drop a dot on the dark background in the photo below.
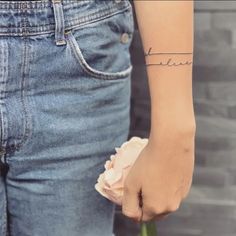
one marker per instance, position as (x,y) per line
(210,208)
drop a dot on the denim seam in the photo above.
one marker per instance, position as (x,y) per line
(96,16)
(4,231)
(25,72)
(4,122)
(75,23)
(91,71)
(58,13)
(16,5)
(4,56)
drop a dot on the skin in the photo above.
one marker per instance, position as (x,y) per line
(162,175)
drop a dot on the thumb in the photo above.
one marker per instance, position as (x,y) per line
(131,203)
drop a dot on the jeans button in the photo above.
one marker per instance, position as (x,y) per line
(124,38)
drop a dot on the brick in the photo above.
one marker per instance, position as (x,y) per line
(210,225)
(200,90)
(206,195)
(215,134)
(233,32)
(221,91)
(214,56)
(225,20)
(204,73)
(211,211)
(213,234)
(207,210)
(232,172)
(206,143)
(200,158)
(215,108)
(210,108)
(215,158)
(215,5)
(202,21)
(213,38)
(207,176)
(232,112)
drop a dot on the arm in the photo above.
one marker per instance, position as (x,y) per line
(166,29)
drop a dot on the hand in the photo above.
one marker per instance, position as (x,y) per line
(160,178)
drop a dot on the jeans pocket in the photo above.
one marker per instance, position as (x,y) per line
(102,48)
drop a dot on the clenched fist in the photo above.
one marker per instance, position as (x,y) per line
(160,178)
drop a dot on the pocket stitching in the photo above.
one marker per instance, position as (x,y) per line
(94,72)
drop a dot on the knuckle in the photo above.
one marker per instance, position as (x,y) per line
(129,214)
(153,209)
(145,219)
(129,188)
(186,193)
(127,185)
(126,189)
(159,209)
(173,207)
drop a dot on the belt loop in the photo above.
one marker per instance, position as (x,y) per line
(59,22)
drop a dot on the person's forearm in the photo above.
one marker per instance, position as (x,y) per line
(166,29)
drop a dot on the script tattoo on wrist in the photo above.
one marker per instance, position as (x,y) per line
(168,58)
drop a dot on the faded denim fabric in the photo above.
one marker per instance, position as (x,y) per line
(65,86)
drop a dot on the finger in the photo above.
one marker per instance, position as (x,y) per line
(131,204)
(147,213)
(147,216)
(161,216)
(151,212)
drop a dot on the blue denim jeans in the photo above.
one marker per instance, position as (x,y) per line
(65,85)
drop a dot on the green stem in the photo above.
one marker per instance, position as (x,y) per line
(148,229)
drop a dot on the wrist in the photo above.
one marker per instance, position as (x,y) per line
(172,131)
